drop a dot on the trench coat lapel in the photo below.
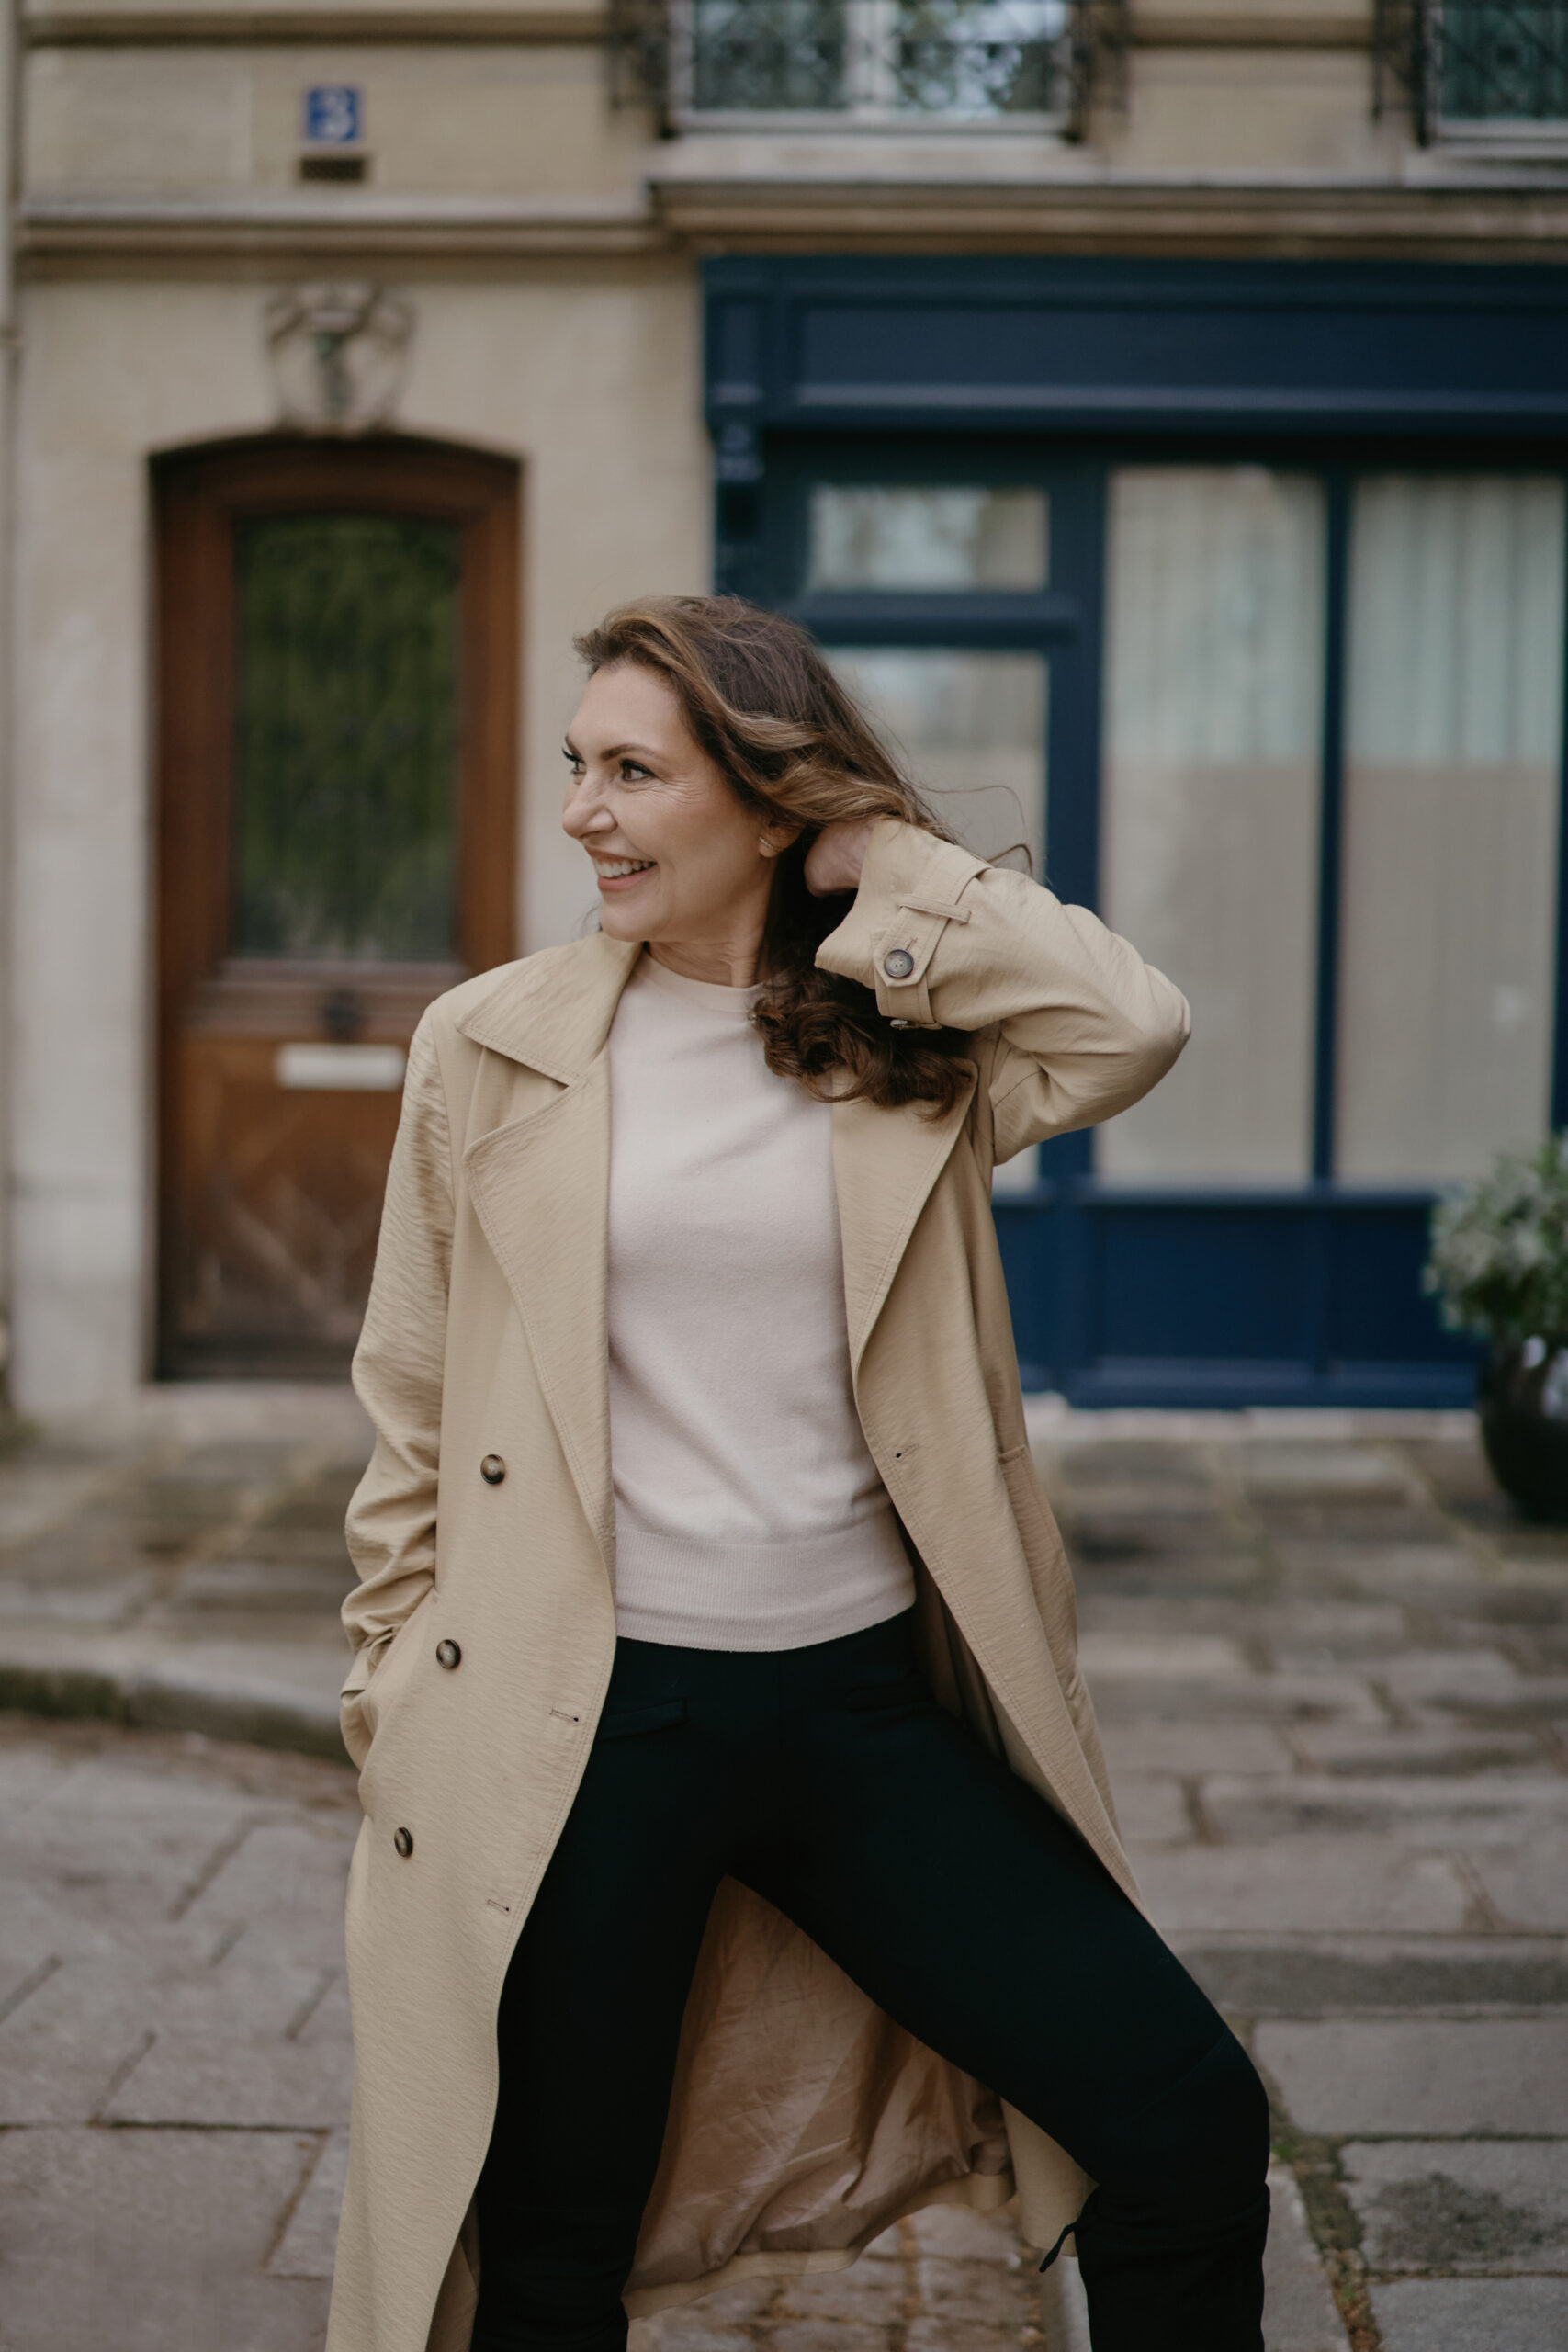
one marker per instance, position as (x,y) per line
(540,1186)
(884,1164)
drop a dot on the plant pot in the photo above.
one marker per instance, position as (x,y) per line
(1523,1400)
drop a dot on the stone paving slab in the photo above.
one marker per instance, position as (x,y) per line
(1493,2205)
(1473,2314)
(144,2242)
(1528,1887)
(1318,1886)
(1298,2313)
(1307,1976)
(1348,2077)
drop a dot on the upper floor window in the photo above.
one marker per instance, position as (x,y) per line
(972,61)
(1493,72)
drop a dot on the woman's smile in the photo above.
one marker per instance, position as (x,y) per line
(618,874)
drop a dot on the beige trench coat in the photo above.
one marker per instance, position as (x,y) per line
(803,2121)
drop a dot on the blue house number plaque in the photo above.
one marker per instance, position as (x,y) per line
(333,115)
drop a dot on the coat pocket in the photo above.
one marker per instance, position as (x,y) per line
(663,1715)
(365,1711)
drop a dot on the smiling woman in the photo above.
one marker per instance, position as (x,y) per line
(738,1834)
(748,812)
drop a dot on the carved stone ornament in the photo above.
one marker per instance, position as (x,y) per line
(339,355)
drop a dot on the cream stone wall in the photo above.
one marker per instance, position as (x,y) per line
(462,120)
(588,375)
(1212,111)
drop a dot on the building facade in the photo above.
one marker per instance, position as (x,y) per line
(1157,409)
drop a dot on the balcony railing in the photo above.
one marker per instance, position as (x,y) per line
(756,65)
(1480,71)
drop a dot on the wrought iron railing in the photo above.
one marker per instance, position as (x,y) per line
(1477,69)
(851,63)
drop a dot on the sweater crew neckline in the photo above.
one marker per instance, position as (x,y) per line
(709,996)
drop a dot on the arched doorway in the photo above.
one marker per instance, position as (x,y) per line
(337,670)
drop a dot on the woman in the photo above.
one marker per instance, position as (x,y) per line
(738,1870)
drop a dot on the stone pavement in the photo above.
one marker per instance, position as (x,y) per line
(1333,1673)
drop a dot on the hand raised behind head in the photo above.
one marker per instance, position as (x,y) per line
(836,856)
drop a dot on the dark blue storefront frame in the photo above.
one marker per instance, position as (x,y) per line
(816,365)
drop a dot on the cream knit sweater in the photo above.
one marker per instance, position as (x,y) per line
(748,1513)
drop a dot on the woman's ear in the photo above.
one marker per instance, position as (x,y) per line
(774,840)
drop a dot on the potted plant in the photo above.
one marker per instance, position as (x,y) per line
(1499,1265)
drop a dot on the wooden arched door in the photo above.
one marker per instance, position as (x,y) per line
(337,669)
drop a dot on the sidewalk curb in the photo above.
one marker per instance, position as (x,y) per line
(151,1699)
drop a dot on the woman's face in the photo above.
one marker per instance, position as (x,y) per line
(679,861)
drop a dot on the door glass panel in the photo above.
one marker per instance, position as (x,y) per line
(1214,721)
(969,729)
(895,539)
(1453,758)
(346,770)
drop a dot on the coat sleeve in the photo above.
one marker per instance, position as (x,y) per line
(398,1375)
(1080,1025)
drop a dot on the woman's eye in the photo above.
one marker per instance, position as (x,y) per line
(632,774)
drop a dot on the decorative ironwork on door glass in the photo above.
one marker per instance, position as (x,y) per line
(346,771)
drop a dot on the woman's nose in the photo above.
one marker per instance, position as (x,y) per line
(584,812)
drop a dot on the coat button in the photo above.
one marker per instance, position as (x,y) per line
(492,1469)
(898,964)
(403,1841)
(447,1654)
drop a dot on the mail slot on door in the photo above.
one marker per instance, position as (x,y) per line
(357,1069)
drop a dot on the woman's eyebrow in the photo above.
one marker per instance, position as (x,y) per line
(616,751)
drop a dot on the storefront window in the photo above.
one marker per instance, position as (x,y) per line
(893,540)
(1449,872)
(1213,727)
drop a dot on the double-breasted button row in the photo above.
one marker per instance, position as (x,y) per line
(492,1469)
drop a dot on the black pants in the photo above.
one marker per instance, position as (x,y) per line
(829,1781)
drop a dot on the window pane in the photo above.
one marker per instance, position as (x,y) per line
(926,538)
(768,56)
(1502,61)
(1214,722)
(1454,732)
(981,57)
(346,755)
(970,729)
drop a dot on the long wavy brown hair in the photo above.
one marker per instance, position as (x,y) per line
(766,708)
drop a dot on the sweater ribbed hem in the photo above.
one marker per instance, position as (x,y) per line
(789,1593)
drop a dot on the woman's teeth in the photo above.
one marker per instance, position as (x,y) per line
(613,868)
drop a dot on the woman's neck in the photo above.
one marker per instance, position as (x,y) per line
(724,963)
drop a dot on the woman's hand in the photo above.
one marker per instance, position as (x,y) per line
(836,856)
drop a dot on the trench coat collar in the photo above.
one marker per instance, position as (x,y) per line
(540,1187)
(553,1011)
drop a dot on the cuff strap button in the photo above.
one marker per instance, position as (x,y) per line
(898,964)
